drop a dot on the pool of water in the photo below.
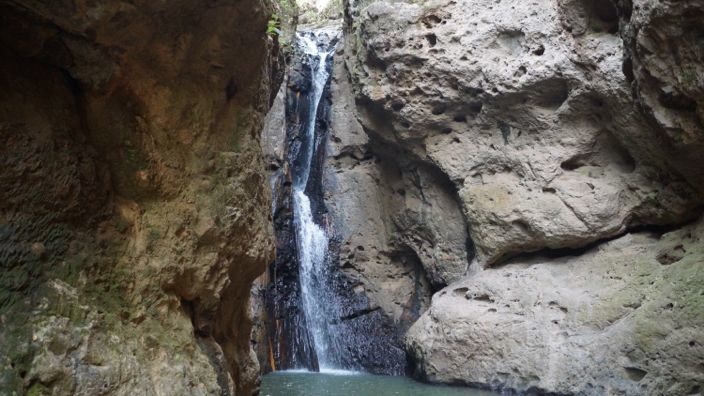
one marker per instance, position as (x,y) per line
(343,383)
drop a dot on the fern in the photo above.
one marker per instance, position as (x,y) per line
(272,27)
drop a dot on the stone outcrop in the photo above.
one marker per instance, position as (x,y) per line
(400,229)
(134,212)
(394,223)
(623,318)
(548,143)
(526,109)
(665,65)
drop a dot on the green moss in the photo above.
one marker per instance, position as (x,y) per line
(38,389)
(287,15)
(678,303)
(689,77)
(16,352)
(153,237)
(121,225)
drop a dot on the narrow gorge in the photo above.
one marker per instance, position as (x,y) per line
(352,197)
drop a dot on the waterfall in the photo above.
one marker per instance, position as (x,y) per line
(319,76)
(318,302)
(317,318)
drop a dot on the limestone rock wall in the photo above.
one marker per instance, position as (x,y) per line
(623,318)
(665,65)
(529,115)
(134,212)
(558,138)
(396,219)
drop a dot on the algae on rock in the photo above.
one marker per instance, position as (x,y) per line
(133,214)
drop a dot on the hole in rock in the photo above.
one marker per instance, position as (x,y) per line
(606,14)
(273,166)
(432,39)
(439,109)
(539,51)
(671,256)
(601,15)
(627,69)
(505,130)
(614,153)
(231,89)
(511,41)
(482,297)
(573,163)
(475,107)
(606,152)
(460,291)
(634,373)
(431,20)
(677,101)
(460,118)
(551,94)
(397,105)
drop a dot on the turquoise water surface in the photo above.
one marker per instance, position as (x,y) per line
(343,383)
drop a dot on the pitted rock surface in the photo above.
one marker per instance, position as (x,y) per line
(525,108)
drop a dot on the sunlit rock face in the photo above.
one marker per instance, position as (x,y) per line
(526,109)
(564,134)
(134,213)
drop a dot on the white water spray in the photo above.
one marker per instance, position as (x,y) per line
(311,239)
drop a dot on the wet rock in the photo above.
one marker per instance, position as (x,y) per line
(401,231)
(363,336)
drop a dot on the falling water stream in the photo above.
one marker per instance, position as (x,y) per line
(310,237)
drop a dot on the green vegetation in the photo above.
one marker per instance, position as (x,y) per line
(272,27)
(283,20)
(311,16)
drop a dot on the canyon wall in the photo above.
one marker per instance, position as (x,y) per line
(535,163)
(134,213)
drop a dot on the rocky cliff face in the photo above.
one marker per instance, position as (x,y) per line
(134,212)
(551,144)
(664,65)
(623,317)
